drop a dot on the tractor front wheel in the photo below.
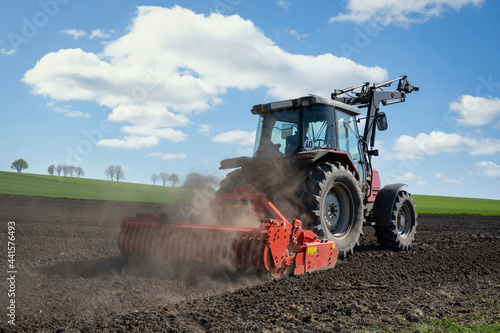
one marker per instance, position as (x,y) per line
(334,203)
(400,232)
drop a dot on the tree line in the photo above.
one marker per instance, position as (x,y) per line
(66,170)
(115,172)
(193,180)
(164,178)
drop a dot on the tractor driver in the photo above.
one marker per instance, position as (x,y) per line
(293,141)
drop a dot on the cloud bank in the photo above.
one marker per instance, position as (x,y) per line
(436,142)
(399,12)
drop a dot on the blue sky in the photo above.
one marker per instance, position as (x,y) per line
(163,86)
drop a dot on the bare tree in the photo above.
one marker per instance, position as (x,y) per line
(119,174)
(79,172)
(51,169)
(154,178)
(65,170)
(71,170)
(59,169)
(110,172)
(174,179)
(164,177)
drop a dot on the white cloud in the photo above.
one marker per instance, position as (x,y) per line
(150,115)
(399,12)
(391,177)
(476,111)
(162,133)
(239,137)
(130,142)
(486,147)
(167,156)
(205,129)
(487,169)
(191,61)
(74,33)
(410,177)
(431,144)
(7,52)
(295,34)
(407,147)
(70,113)
(100,33)
(448,180)
(283,3)
(401,155)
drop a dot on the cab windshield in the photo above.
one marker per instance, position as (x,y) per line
(282,133)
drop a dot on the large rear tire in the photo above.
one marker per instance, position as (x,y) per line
(400,232)
(280,185)
(333,201)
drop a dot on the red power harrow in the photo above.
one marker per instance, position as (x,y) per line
(277,246)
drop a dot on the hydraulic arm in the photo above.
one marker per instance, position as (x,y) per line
(371,97)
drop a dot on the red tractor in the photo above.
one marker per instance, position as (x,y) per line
(307,192)
(312,163)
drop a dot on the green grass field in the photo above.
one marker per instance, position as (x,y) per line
(12,183)
(26,184)
(427,204)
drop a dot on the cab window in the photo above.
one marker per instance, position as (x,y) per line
(275,134)
(348,135)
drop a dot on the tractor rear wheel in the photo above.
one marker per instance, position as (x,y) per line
(281,186)
(334,203)
(399,234)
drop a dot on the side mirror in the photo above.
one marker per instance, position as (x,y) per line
(286,131)
(381,121)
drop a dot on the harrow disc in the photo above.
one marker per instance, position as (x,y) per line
(238,246)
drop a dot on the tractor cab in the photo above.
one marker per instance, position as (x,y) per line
(306,124)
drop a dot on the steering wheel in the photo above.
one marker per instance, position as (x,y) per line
(318,142)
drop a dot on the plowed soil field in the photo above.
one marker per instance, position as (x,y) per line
(71,277)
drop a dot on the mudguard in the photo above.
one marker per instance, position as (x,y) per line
(384,201)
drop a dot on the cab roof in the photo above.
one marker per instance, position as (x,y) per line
(303,102)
